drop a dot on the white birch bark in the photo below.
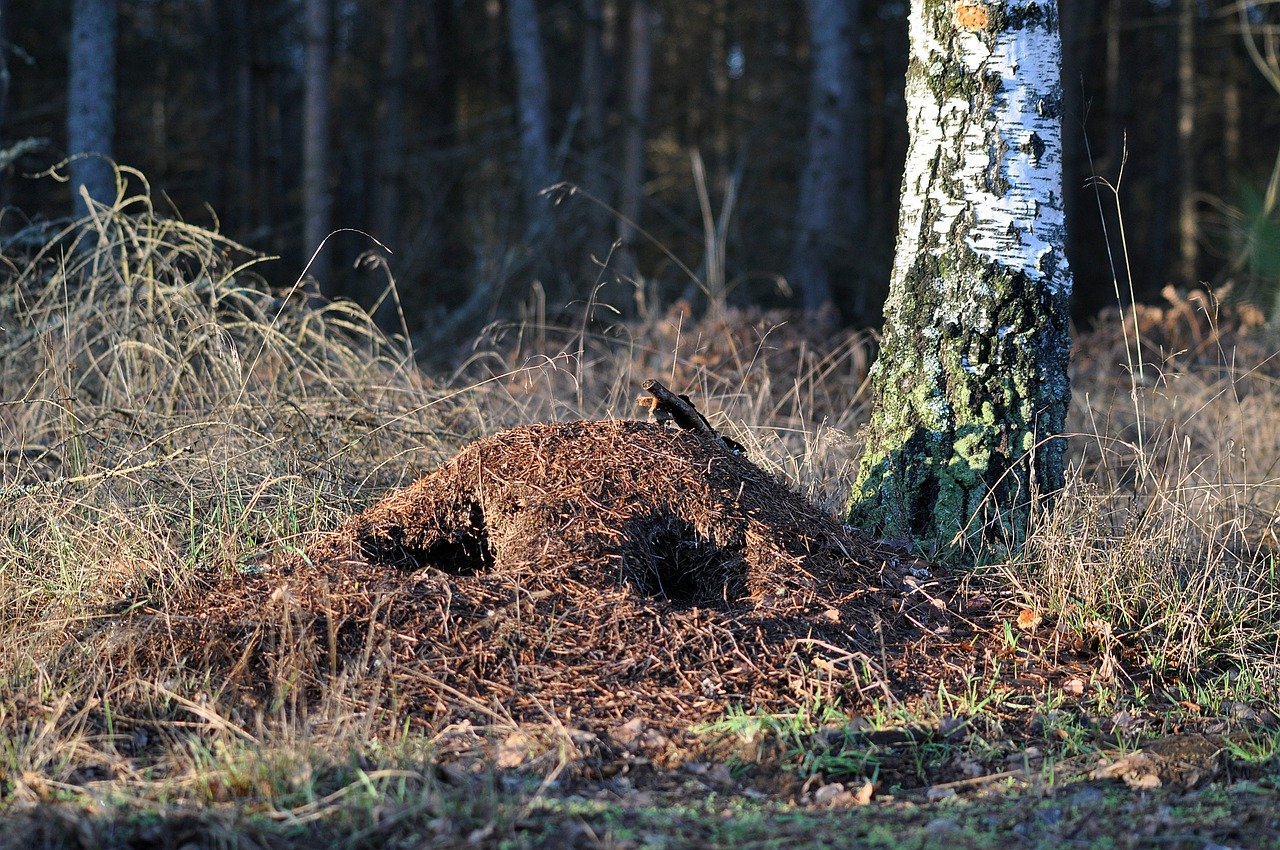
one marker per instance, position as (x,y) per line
(971,385)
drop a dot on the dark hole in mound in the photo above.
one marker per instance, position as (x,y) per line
(666,558)
(461,547)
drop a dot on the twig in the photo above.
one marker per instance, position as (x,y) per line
(666,406)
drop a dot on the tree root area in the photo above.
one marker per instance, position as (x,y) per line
(593,571)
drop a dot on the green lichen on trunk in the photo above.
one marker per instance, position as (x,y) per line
(962,429)
(970,390)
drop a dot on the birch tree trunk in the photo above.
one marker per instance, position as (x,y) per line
(317,198)
(831,103)
(534,111)
(91,96)
(971,388)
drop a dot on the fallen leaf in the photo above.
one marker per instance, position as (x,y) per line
(1029,619)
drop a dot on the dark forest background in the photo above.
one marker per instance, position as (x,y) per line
(690,116)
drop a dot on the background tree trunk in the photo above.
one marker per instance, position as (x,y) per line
(1188,247)
(91,95)
(4,97)
(829,168)
(534,110)
(4,65)
(234,79)
(971,388)
(1117,91)
(390,142)
(389,155)
(317,197)
(635,133)
(593,106)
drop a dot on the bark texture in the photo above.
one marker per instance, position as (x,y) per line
(971,386)
(91,99)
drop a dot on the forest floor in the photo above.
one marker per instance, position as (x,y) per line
(231,618)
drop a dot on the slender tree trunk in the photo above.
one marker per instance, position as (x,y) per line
(1165,188)
(822,189)
(718,65)
(971,388)
(593,104)
(389,157)
(534,110)
(4,64)
(1232,110)
(91,99)
(235,81)
(268,136)
(1117,85)
(635,134)
(390,141)
(4,95)
(317,196)
(1188,253)
(434,247)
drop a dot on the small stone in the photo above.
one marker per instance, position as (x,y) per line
(1239,711)
(1073,687)
(939,827)
(1087,797)
(720,774)
(828,793)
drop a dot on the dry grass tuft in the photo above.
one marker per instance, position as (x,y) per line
(1168,533)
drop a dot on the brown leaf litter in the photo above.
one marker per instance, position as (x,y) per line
(587,571)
